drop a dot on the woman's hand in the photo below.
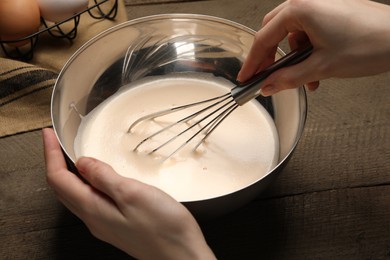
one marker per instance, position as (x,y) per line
(351,38)
(139,219)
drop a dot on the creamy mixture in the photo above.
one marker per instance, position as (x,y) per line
(240,151)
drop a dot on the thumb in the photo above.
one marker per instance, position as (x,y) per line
(100,175)
(305,72)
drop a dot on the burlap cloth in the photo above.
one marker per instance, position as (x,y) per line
(26,87)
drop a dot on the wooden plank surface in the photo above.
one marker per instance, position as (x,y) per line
(332,201)
(342,223)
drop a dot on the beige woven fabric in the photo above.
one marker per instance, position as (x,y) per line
(25,92)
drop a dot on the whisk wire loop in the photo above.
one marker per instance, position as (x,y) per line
(222,98)
(207,129)
(215,123)
(176,109)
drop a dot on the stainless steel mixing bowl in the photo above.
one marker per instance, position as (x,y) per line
(161,45)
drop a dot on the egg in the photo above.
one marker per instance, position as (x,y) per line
(18,19)
(60,10)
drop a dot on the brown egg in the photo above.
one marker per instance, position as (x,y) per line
(18,19)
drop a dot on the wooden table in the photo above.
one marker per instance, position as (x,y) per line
(332,201)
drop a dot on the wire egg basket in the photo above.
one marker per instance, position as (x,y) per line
(57,30)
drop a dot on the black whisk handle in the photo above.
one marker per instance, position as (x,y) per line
(250,89)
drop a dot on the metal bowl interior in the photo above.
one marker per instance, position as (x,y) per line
(162,45)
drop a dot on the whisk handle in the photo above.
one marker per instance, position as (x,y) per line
(250,89)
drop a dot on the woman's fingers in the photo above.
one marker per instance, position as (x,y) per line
(77,196)
(104,178)
(276,26)
(57,174)
(65,184)
(269,16)
(256,61)
(53,154)
(303,73)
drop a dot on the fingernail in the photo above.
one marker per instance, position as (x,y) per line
(268,90)
(238,76)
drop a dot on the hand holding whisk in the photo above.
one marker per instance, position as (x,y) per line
(215,110)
